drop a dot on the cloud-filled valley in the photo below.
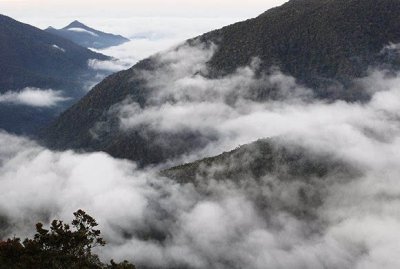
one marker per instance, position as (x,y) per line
(152,35)
(157,222)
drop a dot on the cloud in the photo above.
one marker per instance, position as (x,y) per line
(355,226)
(137,49)
(246,105)
(112,65)
(81,30)
(151,35)
(33,97)
(183,98)
(221,225)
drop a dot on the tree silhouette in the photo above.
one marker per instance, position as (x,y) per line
(60,246)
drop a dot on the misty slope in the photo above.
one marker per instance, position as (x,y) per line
(88,37)
(30,57)
(322,44)
(253,165)
(259,159)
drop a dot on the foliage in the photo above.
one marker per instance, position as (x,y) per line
(60,246)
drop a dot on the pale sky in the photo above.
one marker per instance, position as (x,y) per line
(128,8)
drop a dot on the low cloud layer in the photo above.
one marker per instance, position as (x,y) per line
(156,222)
(150,35)
(33,97)
(245,106)
(183,98)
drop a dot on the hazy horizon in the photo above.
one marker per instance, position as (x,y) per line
(34,11)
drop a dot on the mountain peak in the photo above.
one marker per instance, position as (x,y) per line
(76,24)
(86,36)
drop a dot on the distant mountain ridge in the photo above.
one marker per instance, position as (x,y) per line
(30,57)
(272,156)
(324,44)
(87,36)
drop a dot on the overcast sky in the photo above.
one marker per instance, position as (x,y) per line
(27,9)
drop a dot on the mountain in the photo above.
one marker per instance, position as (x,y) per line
(324,44)
(88,37)
(272,156)
(30,57)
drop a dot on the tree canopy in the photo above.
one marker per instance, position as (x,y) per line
(60,246)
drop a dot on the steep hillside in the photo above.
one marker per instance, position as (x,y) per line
(319,42)
(323,44)
(88,37)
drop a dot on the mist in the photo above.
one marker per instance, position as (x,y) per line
(34,97)
(157,222)
(148,35)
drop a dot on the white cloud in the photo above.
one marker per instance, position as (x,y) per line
(112,65)
(221,224)
(151,35)
(356,226)
(183,98)
(81,30)
(33,97)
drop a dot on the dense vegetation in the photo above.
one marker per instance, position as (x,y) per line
(61,246)
(322,43)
